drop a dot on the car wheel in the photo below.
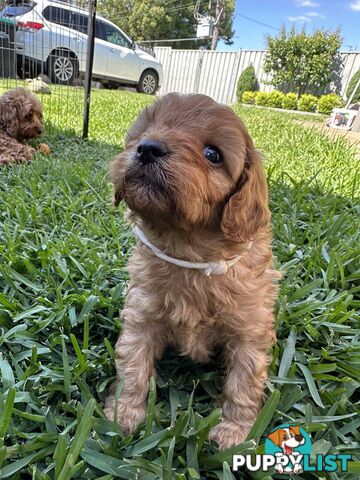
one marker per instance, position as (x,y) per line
(148,82)
(63,68)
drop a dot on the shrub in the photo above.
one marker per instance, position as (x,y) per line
(290,101)
(262,99)
(247,82)
(307,103)
(248,97)
(275,99)
(305,62)
(351,86)
(328,102)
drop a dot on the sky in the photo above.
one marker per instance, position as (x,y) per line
(328,14)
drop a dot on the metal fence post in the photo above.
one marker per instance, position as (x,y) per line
(198,70)
(89,65)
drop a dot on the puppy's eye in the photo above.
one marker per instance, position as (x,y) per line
(28,116)
(213,155)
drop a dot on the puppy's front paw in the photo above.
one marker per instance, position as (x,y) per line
(44,148)
(128,416)
(227,434)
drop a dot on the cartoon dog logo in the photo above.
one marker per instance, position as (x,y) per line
(287,439)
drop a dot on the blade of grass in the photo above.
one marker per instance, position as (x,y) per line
(264,418)
(5,415)
(288,354)
(151,407)
(311,385)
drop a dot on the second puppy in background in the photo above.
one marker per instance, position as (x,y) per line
(21,119)
(201,274)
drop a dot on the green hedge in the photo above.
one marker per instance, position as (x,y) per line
(307,102)
(327,103)
(275,99)
(262,99)
(290,101)
(248,97)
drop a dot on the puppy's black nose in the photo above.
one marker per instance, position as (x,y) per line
(299,438)
(39,130)
(150,151)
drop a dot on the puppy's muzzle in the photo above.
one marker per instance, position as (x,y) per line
(150,151)
(299,438)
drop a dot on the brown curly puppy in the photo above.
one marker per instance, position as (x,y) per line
(197,192)
(20,119)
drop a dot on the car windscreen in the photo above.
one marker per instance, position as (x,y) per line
(14,10)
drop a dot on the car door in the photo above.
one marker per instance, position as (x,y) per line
(122,62)
(79,23)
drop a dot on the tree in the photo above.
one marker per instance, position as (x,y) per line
(302,62)
(247,82)
(224,10)
(162,20)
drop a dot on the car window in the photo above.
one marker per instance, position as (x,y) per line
(57,15)
(110,34)
(99,31)
(15,10)
(79,22)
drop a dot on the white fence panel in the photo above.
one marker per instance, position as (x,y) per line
(216,73)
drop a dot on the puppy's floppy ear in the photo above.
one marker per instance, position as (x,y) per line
(275,437)
(117,178)
(247,209)
(9,121)
(117,198)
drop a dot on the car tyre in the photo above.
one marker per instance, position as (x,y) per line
(148,82)
(63,67)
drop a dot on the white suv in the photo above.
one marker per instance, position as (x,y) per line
(53,36)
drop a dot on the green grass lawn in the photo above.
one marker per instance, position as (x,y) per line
(63,255)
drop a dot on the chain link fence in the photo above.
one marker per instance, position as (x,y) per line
(43,47)
(59,50)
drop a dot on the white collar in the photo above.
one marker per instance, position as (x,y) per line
(209,268)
